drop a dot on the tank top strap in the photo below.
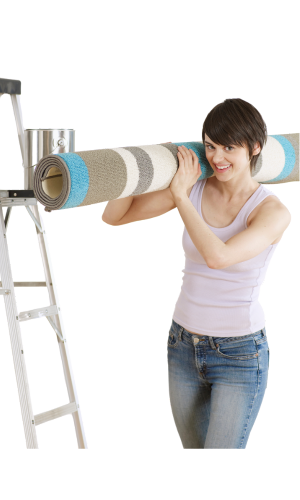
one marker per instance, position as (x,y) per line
(257,197)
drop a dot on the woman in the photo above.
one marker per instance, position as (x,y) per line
(218,353)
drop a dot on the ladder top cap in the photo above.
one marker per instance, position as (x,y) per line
(10,86)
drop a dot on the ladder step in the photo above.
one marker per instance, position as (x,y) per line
(56,413)
(28,283)
(41,312)
(38,313)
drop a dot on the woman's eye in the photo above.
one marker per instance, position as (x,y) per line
(209,146)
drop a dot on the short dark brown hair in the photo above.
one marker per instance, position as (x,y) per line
(236,122)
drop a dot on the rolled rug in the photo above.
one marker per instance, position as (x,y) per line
(71,180)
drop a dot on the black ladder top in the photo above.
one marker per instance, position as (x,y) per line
(10,86)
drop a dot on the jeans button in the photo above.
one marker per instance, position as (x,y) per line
(195,340)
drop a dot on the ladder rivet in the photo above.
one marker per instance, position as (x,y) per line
(17,317)
(15,194)
(33,421)
(22,351)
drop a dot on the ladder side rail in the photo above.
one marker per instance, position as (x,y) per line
(16,103)
(16,340)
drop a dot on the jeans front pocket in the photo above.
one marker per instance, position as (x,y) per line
(238,350)
(173,338)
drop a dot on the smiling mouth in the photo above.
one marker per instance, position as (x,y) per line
(222,169)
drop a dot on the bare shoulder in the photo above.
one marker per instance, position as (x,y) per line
(272,212)
(271,206)
(275,203)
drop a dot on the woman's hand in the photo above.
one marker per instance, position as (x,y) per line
(188,172)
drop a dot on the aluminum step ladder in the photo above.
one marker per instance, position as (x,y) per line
(16,198)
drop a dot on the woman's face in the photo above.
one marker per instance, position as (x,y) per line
(235,156)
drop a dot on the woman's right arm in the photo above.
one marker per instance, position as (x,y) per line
(139,207)
(115,209)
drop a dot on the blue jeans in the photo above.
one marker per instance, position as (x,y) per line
(216,386)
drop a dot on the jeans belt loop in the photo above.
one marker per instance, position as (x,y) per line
(212,344)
